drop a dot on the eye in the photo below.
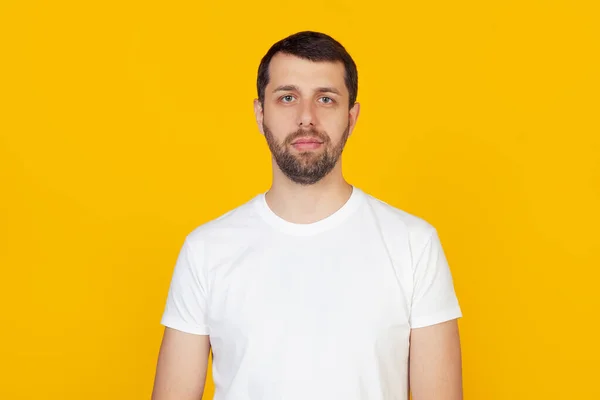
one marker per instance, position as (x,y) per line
(326,100)
(287,98)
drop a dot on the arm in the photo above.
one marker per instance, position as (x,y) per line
(182,366)
(183,356)
(435,366)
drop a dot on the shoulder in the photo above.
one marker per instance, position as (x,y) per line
(400,224)
(241,221)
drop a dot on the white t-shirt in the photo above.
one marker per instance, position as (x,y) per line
(316,311)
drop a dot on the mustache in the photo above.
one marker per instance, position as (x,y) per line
(312,133)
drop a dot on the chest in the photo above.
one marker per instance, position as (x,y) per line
(309,288)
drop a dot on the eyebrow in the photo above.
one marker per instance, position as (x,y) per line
(286,88)
(328,90)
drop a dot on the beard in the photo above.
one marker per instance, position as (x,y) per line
(308,167)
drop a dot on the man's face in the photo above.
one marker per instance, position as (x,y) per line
(305,116)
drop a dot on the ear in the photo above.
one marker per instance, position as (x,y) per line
(353,116)
(258,114)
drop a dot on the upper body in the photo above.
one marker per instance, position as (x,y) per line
(314,289)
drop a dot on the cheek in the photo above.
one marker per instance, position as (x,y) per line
(334,123)
(281,122)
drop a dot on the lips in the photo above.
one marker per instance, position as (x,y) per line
(307,141)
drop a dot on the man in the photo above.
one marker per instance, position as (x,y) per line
(314,289)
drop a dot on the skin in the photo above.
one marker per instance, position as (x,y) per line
(308,107)
(182,366)
(310,99)
(435,367)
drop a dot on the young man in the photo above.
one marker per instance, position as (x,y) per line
(314,289)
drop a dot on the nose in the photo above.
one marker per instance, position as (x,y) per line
(306,114)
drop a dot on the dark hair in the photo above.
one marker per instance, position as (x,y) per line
(313,46)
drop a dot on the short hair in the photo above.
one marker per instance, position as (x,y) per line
(313,46)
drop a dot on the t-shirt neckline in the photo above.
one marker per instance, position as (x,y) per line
(312,228)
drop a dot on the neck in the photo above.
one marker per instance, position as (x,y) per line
(305,204)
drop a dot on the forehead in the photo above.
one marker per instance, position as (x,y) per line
(286,69)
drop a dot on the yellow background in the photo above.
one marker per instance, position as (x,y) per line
(124,125)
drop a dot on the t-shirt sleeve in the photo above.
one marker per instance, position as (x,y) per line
(186,308)
(434,298)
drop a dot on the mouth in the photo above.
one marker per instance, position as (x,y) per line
(302,141)
(306,144)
